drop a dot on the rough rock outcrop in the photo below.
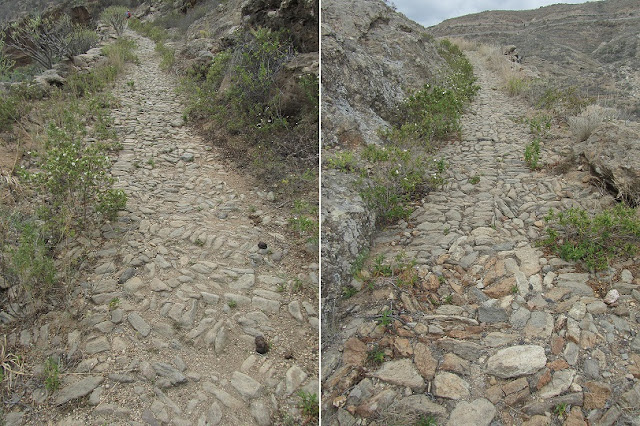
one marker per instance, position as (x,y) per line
(613,153)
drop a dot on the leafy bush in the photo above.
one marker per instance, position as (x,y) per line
(27,262)
(398,177)
(6,63)
(594,239)
(44,40)
(8,112)
(81,40)
(256,59)
(116,16)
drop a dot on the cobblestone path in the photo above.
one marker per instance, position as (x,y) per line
(166,325)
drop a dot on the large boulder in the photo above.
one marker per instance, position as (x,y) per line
(613,154)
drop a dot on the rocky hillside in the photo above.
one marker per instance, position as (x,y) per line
(372,58)
(594,46)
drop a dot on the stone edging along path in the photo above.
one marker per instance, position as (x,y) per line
(169,317)
(517,333)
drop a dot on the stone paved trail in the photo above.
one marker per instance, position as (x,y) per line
(515,333)
(169,317)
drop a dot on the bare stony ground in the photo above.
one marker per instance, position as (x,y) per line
(494,331)
(163,330)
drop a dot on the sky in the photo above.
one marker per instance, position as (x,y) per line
(432,12)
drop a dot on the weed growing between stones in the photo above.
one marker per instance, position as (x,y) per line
(375,355)
(426,421)
(532,153)
(309,405)
(594,240)
(51,374)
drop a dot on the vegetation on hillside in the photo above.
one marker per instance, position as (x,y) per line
(405,167)
(61,188)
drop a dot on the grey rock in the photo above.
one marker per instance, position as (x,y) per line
(401,372)
(294,378)
(138,323)
(479,412)
(560,382)
(492,314)
(516,361)
(214,414)
(97,345)
(245,385)
(261,413)
(167,371)
(78,389)
(451,386)
(420,404)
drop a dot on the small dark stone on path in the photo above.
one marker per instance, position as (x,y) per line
(262,245)
(261,345)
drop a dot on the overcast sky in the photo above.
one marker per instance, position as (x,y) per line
(432,12)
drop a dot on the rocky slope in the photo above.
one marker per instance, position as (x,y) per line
(593,46)
(372,56)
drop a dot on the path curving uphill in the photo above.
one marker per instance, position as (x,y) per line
(164,329)
(494,331)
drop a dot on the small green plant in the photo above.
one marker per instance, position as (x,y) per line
(539,125)
(348,291)
(131,83)
(232,303)
(447,300)
(514,289)
(380,269)
(441,279)
(385,318)
(560,410)
(305,220)
(375,355)
(427,421)
(532,153)
(343,161)
(595,240)
(297,285)
(358,263)
(51,374)
(199,242)
(114,303)
(309,404)
(151,162)
(446,231)
(474,179)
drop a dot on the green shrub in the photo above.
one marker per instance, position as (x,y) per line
(309,404)
(6,63)
(30,262)
(44,40)
(344,161)
(596,239)
(8,112)
(81,40)
(398,177)
(116,17)
(73,176)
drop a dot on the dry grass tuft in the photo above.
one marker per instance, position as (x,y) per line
(583,125)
